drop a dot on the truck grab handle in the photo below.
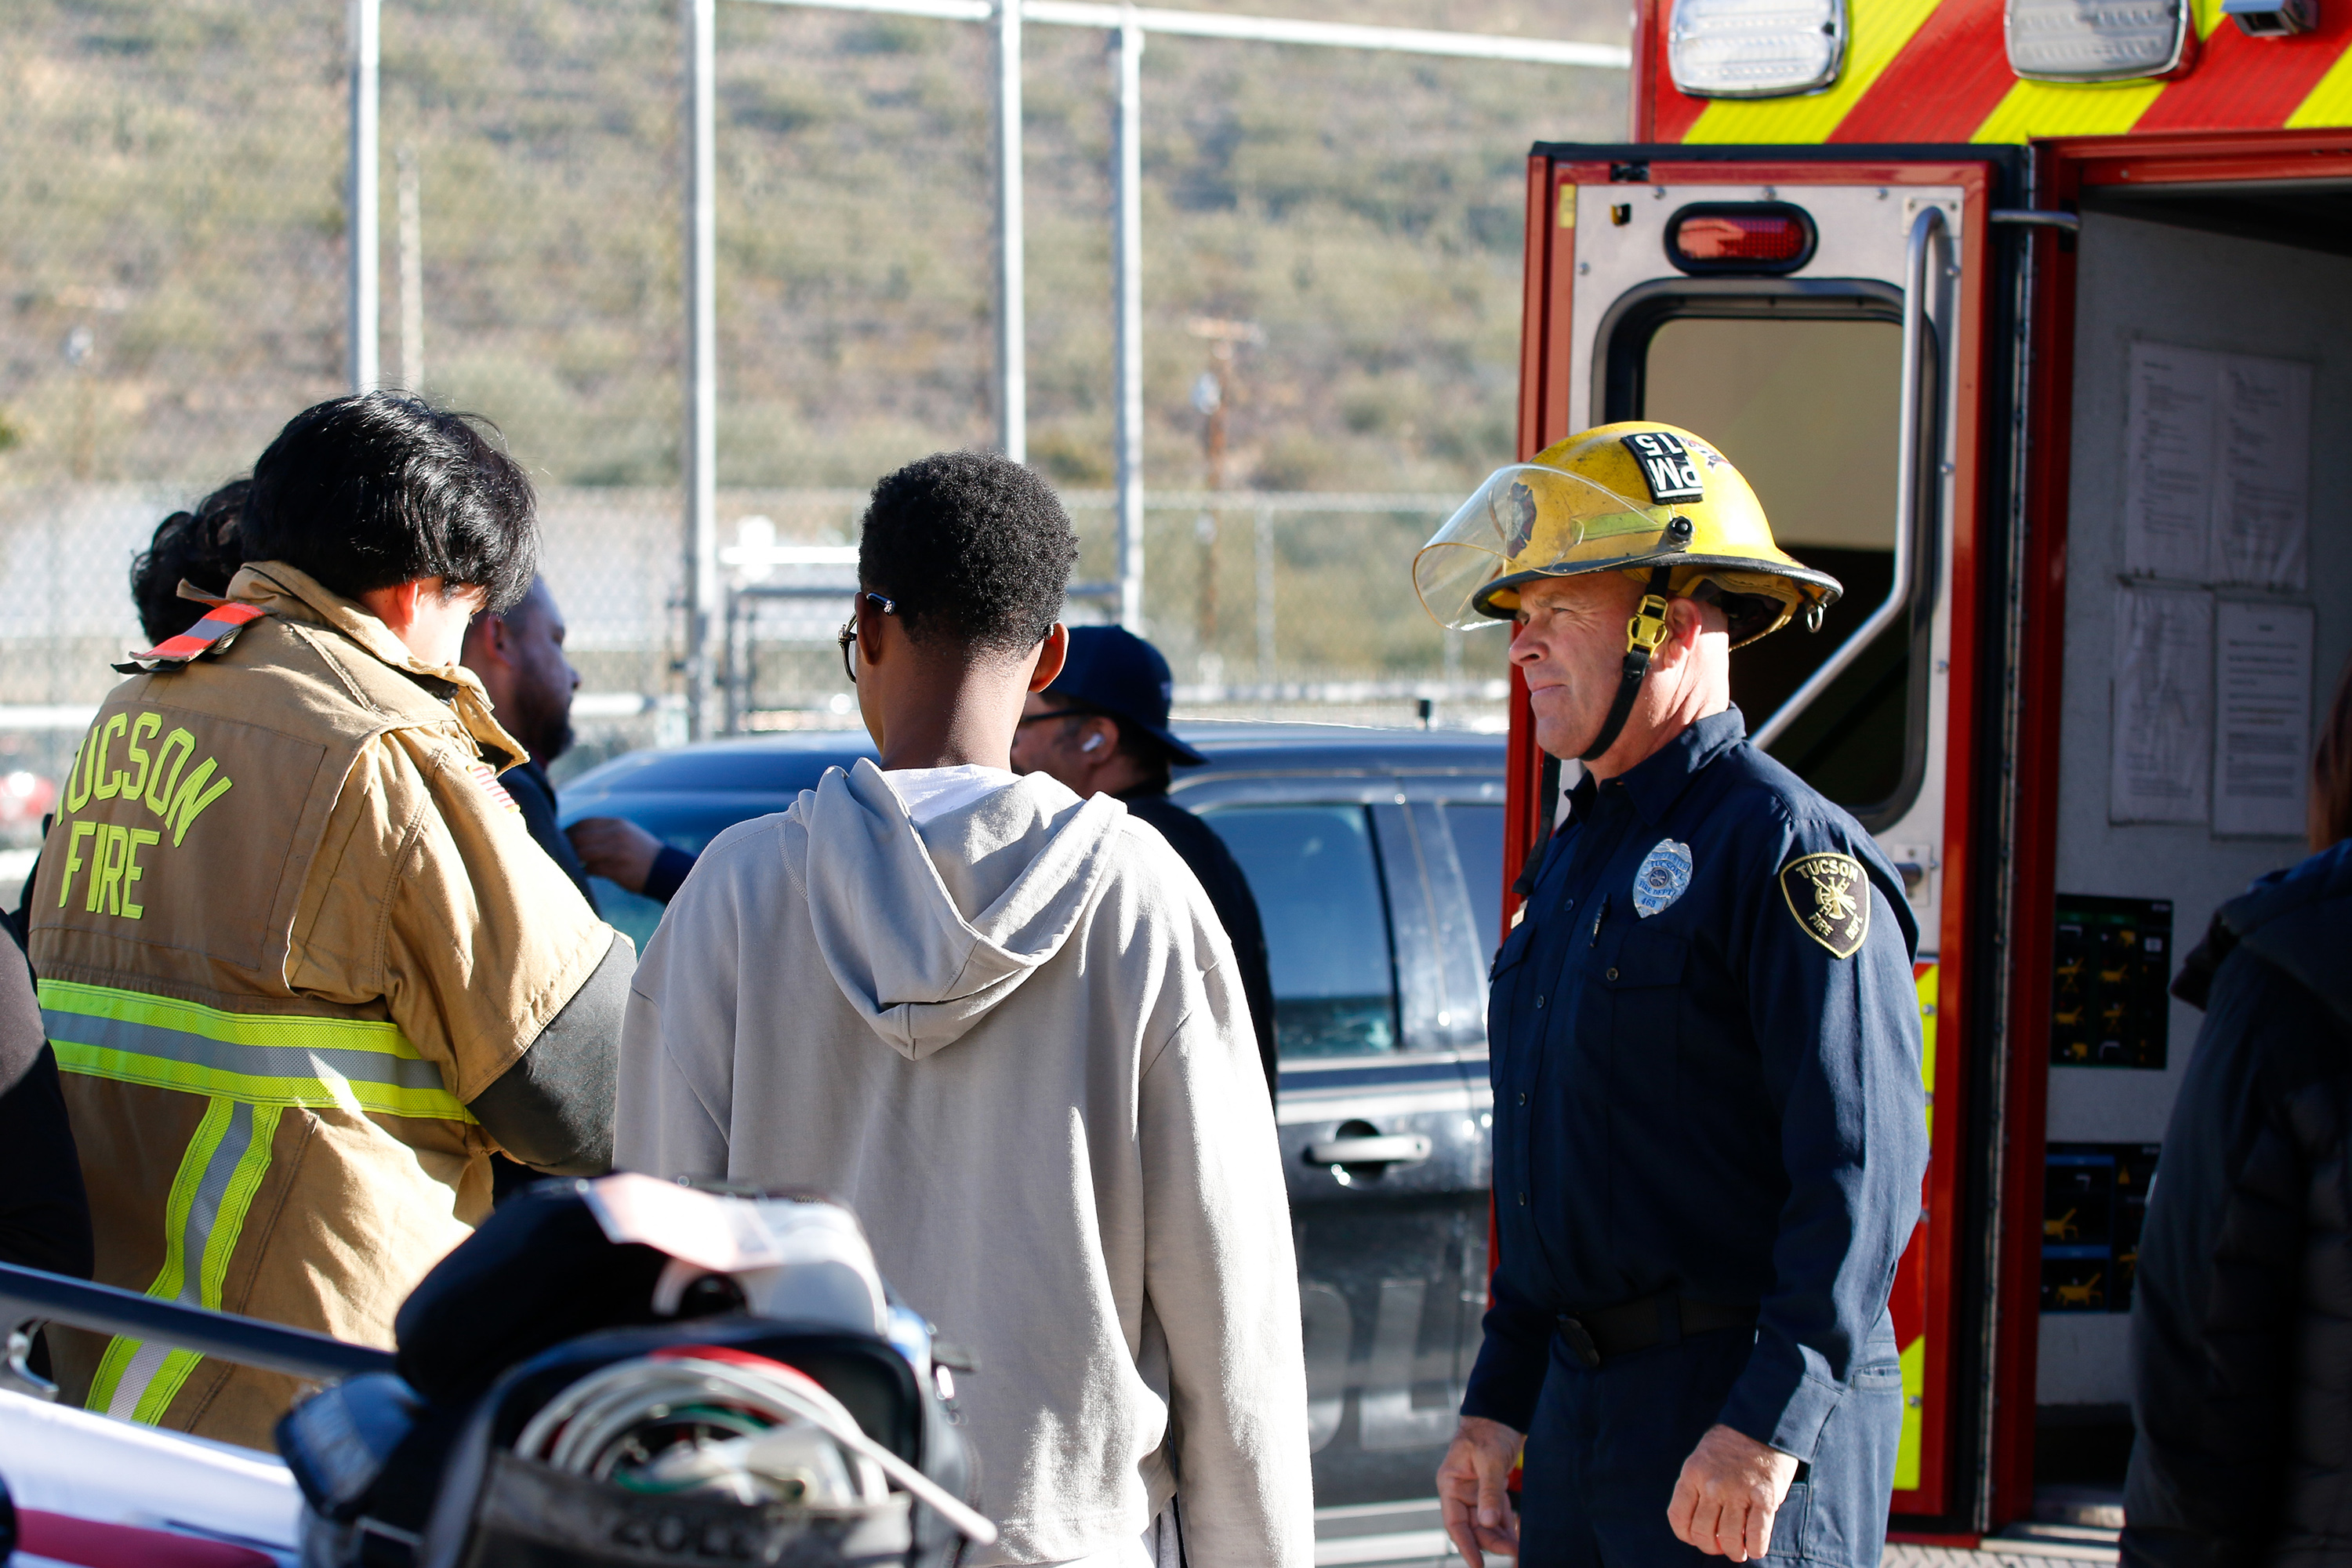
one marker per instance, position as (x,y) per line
(1919,420)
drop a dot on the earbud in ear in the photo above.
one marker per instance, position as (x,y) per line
(1092,741)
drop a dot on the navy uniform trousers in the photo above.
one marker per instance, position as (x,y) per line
(1608,1444)
(1704,1048)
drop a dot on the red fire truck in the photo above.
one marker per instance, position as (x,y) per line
(2026,319)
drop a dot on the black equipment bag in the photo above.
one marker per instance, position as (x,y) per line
(420,1469)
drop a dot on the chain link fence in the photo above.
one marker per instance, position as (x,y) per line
(1269,604)
(172,254)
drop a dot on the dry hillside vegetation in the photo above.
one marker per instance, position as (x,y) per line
(172,221)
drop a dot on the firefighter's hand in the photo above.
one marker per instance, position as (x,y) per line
(1730,1488)
(619,851)
(1470,1491)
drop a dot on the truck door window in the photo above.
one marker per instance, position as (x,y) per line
(1314,872)
(1807,408)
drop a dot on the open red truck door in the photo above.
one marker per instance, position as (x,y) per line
(2051,387)
(2190,377)
(1838,321)
(2056,415)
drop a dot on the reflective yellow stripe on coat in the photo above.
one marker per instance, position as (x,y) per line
(223,1168)
(259,1058)
(250,1067)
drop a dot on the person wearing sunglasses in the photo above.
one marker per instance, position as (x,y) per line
(1004,1024)
(1102,729)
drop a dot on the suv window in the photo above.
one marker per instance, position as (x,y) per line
(1478,845)
(1314,872)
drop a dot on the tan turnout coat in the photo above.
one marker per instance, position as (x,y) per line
(287,926)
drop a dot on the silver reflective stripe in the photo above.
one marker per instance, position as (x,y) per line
(196,1234)
(290,1062)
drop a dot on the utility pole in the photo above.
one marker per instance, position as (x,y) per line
(1209,402)
(367,54)
(1213,396)
(700,459)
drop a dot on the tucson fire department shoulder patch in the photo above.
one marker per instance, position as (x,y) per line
(1663,875)
(488,777)
(1829,894)
(1667,466)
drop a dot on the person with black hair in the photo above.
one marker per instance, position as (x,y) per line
(518,655)
(200,548)
(1102,729)
(44,1207)
(303,969)
(1004,1025)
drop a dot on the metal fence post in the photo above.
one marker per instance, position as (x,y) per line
(1012,307)
(1265,665)
(1127,269)
(734,645)
(411,202)
(367,51)
(701,457)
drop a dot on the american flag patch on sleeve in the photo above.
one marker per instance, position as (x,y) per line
(488,777)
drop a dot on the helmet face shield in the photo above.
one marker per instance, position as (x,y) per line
(1527,518)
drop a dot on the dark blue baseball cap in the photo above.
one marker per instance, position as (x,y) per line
(1113,672)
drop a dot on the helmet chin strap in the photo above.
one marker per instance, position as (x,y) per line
(1644,633)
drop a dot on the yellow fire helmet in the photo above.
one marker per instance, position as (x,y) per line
(1653,501)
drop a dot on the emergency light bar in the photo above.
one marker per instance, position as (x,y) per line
(2096,40)
(1755,48)
(1739,237)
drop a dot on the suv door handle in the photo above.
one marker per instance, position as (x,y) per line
(1396,1149)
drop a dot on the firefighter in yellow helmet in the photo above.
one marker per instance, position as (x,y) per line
(1709,1128)
(1651,502)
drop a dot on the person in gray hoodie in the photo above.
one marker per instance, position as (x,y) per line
(1004,1026)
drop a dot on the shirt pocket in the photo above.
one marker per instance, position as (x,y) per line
(1506,976)
(1513,950)
(1646,959)
(1637,990)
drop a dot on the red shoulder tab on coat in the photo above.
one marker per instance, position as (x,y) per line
(214,632)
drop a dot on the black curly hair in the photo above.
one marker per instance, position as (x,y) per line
(973,549)
(379,489)
(199,547)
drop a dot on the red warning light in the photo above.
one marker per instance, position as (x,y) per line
(1740,236)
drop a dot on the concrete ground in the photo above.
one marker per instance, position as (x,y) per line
(1409,1535)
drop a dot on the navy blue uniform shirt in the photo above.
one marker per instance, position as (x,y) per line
(1706,1060)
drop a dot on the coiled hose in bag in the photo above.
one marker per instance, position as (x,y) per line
(715,1420)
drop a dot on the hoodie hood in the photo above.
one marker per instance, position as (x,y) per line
(926,929)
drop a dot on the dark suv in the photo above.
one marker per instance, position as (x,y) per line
(1376,857)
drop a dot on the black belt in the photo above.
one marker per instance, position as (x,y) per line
(1664,1319)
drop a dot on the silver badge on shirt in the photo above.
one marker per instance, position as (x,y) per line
(1665,872)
